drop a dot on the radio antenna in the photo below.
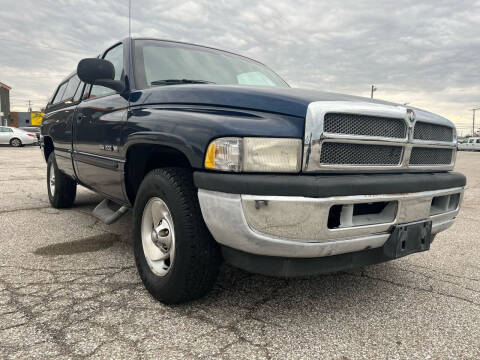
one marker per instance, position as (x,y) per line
(129,18)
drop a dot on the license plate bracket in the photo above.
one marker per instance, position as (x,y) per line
(408,238)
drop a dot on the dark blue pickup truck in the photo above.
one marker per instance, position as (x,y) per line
(220,159)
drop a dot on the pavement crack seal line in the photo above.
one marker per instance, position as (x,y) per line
(24,209)
(28,313)
(444,273)
(414,288)
(233,327)
(469,219)
(18,179)
(13,326)
(250,315)
(58,335)
(437,279)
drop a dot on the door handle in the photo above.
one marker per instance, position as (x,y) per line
(80,117)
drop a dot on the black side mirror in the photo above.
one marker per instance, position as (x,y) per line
(99,72)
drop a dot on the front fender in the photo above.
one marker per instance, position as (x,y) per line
(190,128)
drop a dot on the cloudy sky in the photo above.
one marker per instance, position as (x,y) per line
(426,53)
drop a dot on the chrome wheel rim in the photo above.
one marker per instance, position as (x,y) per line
(158,236)
(51,180)
(16,142)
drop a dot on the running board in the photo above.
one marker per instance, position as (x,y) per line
(105,213)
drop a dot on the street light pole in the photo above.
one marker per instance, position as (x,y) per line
(373,90)
(473,120)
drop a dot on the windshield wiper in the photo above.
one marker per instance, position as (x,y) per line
(180,81)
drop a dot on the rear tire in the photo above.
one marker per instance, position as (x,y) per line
(61,188)
(186,266)
(16,142)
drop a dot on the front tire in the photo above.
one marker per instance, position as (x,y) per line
(176,257)
(16,142)
(61,188)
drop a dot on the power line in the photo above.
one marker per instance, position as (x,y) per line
(26,99)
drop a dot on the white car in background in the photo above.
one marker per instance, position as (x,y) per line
(474,144)
(462,144)
(470,144)
(16,137)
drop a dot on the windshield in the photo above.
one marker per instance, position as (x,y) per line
(159,63)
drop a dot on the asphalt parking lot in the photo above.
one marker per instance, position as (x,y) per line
(69,288)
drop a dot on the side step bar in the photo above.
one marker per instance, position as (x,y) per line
(105,213)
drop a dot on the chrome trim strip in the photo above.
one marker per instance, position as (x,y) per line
(228,222)
(98,156)
(315,135)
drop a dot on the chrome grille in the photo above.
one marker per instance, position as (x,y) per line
(366,136)
(354,124)
(432,132)
(430,156)
(360,154)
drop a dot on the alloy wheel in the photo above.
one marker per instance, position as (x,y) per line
(158,236)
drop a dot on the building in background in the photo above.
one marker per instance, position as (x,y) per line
(26,118)
(36,118)
(20,118)
(4,104)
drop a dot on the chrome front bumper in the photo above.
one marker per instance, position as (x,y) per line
(298,227)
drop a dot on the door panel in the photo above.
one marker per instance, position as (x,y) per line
(98,133)
(97,143)
(60,124)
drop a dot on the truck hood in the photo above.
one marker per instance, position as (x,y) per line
(287,101)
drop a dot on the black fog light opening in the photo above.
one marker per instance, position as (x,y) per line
(445,203)
(360,214)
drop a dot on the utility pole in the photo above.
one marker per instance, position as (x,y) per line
(29,106)
(373,90)
(473,120)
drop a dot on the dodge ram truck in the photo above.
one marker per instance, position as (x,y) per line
(219,159)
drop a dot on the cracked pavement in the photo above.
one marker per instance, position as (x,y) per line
(69,289)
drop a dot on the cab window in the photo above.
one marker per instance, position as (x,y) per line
(59,95)
(71,88)
(115,56)
(79,92)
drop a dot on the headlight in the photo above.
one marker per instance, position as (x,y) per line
(254,154)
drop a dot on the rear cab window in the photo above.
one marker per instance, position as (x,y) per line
(71,88)
(68,92)
(59,95)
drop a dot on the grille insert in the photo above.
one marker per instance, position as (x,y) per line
(426,131)
(430,156)
(360,154)
(354,124)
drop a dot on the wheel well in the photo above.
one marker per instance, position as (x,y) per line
(141,159)
(47,147)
